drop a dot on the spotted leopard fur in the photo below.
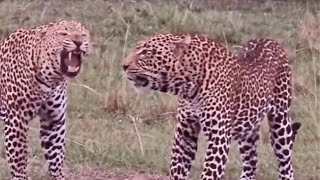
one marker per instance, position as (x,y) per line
(223,95)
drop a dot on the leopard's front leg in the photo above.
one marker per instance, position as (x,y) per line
(53,131)
(216,127)
(185,142)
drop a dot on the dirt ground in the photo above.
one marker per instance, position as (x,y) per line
(87,173)
(115,176)
(119,177)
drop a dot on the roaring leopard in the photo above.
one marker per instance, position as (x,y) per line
(35,64)
(225,96)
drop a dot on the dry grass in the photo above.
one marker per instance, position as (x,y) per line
(114,130)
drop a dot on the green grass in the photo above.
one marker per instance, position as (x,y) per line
(113,129)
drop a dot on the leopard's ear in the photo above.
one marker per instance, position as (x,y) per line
(41,32)
(179,47)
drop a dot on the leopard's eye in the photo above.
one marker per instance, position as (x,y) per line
(63,33)
(146,53)
(149,53)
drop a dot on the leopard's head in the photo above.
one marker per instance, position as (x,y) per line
(160,63)
(64,46)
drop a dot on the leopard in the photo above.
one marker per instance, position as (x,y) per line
(36,64)
(222,94)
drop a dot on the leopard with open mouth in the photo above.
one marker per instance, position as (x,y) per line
(40,60)
(223,95)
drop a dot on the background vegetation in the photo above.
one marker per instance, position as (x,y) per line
(113,131)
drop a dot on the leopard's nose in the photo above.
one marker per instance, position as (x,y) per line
(125,67)
(77,43)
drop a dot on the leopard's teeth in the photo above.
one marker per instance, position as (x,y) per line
(73,69)
(70,54)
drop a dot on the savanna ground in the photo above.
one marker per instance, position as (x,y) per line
(116,133)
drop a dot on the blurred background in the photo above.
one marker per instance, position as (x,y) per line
(115,132)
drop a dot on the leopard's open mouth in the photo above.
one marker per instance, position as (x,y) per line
(71,62)
(139,80)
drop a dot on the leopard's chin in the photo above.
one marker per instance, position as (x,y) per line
(70,64)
